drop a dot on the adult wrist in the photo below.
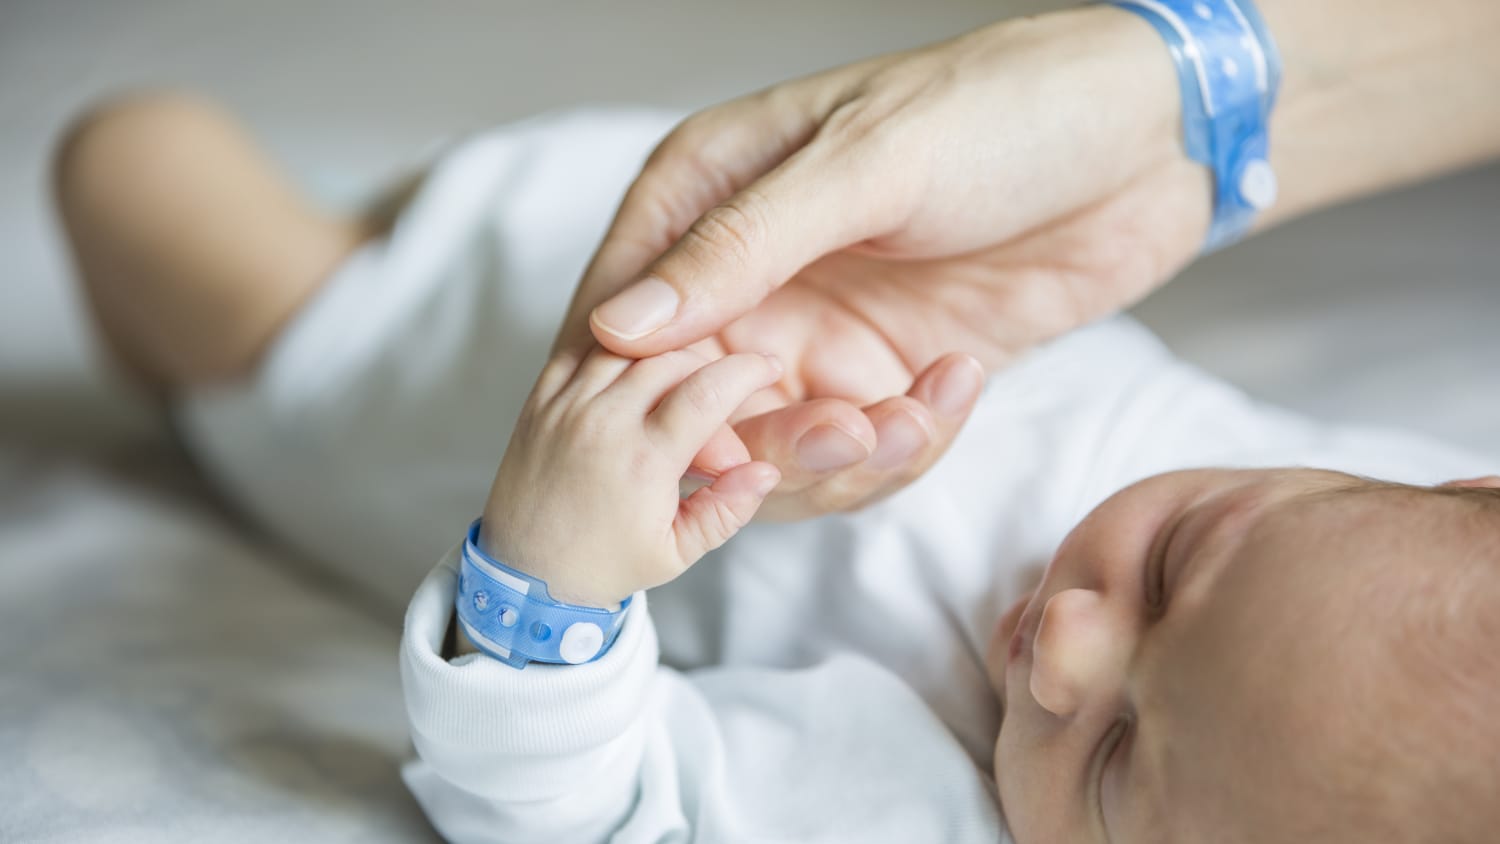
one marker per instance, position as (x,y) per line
(1137,74)
(1403,92)
(1115,88)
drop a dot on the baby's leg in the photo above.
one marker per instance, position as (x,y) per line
(192,247)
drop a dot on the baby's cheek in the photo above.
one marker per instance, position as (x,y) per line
(1113,803)
(1136,809)
(1032,810)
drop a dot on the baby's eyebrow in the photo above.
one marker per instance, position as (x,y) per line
(1208,530)
(1154,572)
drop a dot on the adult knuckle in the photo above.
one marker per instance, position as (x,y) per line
(889,99)
(888,121)
(555,373)
(649,199)
(669,148)
(682,140)
(654,211)
(732,229)
(852,120)
(695,153)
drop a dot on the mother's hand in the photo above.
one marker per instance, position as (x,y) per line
(977,196)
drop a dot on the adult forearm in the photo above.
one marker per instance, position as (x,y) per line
(1378,93)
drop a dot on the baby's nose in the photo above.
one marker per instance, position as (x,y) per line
(1077,652)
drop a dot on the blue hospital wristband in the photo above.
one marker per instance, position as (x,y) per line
(1229,71)
(509,615)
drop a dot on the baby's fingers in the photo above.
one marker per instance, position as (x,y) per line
(710,516)
(690,414)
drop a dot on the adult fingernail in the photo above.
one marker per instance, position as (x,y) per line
(957,388)
(898,437)
(638,310)
(826,448)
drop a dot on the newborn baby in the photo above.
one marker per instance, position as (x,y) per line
(1212,655)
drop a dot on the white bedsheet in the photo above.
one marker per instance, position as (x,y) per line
(163,678)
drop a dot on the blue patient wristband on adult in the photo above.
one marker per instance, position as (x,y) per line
(509,615)
(1229,71)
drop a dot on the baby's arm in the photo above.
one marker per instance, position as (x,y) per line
(587,500)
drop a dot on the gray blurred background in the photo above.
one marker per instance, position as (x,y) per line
(1380,311)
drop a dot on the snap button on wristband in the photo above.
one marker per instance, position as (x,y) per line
(509,615)
(1229,71)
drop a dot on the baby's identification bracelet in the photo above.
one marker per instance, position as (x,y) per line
(509,615)
(1229,71)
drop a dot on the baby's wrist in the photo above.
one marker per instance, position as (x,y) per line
(519,619)
(567,581)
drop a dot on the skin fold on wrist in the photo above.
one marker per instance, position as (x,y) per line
(560,579)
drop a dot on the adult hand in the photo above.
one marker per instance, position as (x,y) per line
(977,196)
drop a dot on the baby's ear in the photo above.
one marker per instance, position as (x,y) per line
(1486,482)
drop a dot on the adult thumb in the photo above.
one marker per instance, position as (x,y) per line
(734,255)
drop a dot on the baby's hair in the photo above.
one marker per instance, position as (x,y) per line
(1435,739)
(1485,496)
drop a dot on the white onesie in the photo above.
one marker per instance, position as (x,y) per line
(819,681)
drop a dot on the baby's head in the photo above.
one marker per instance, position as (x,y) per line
(1259,656)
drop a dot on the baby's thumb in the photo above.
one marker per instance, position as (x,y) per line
(710,516)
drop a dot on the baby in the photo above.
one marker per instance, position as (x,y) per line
(1212,655)
(1226,655)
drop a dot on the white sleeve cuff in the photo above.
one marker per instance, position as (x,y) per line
(522,734)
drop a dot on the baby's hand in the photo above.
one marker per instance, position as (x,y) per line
(587,497)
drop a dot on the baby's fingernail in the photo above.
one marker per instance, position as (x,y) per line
(957,388)
(826,448)
(774,361)
(639,310)
(898,437)
(766,483)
